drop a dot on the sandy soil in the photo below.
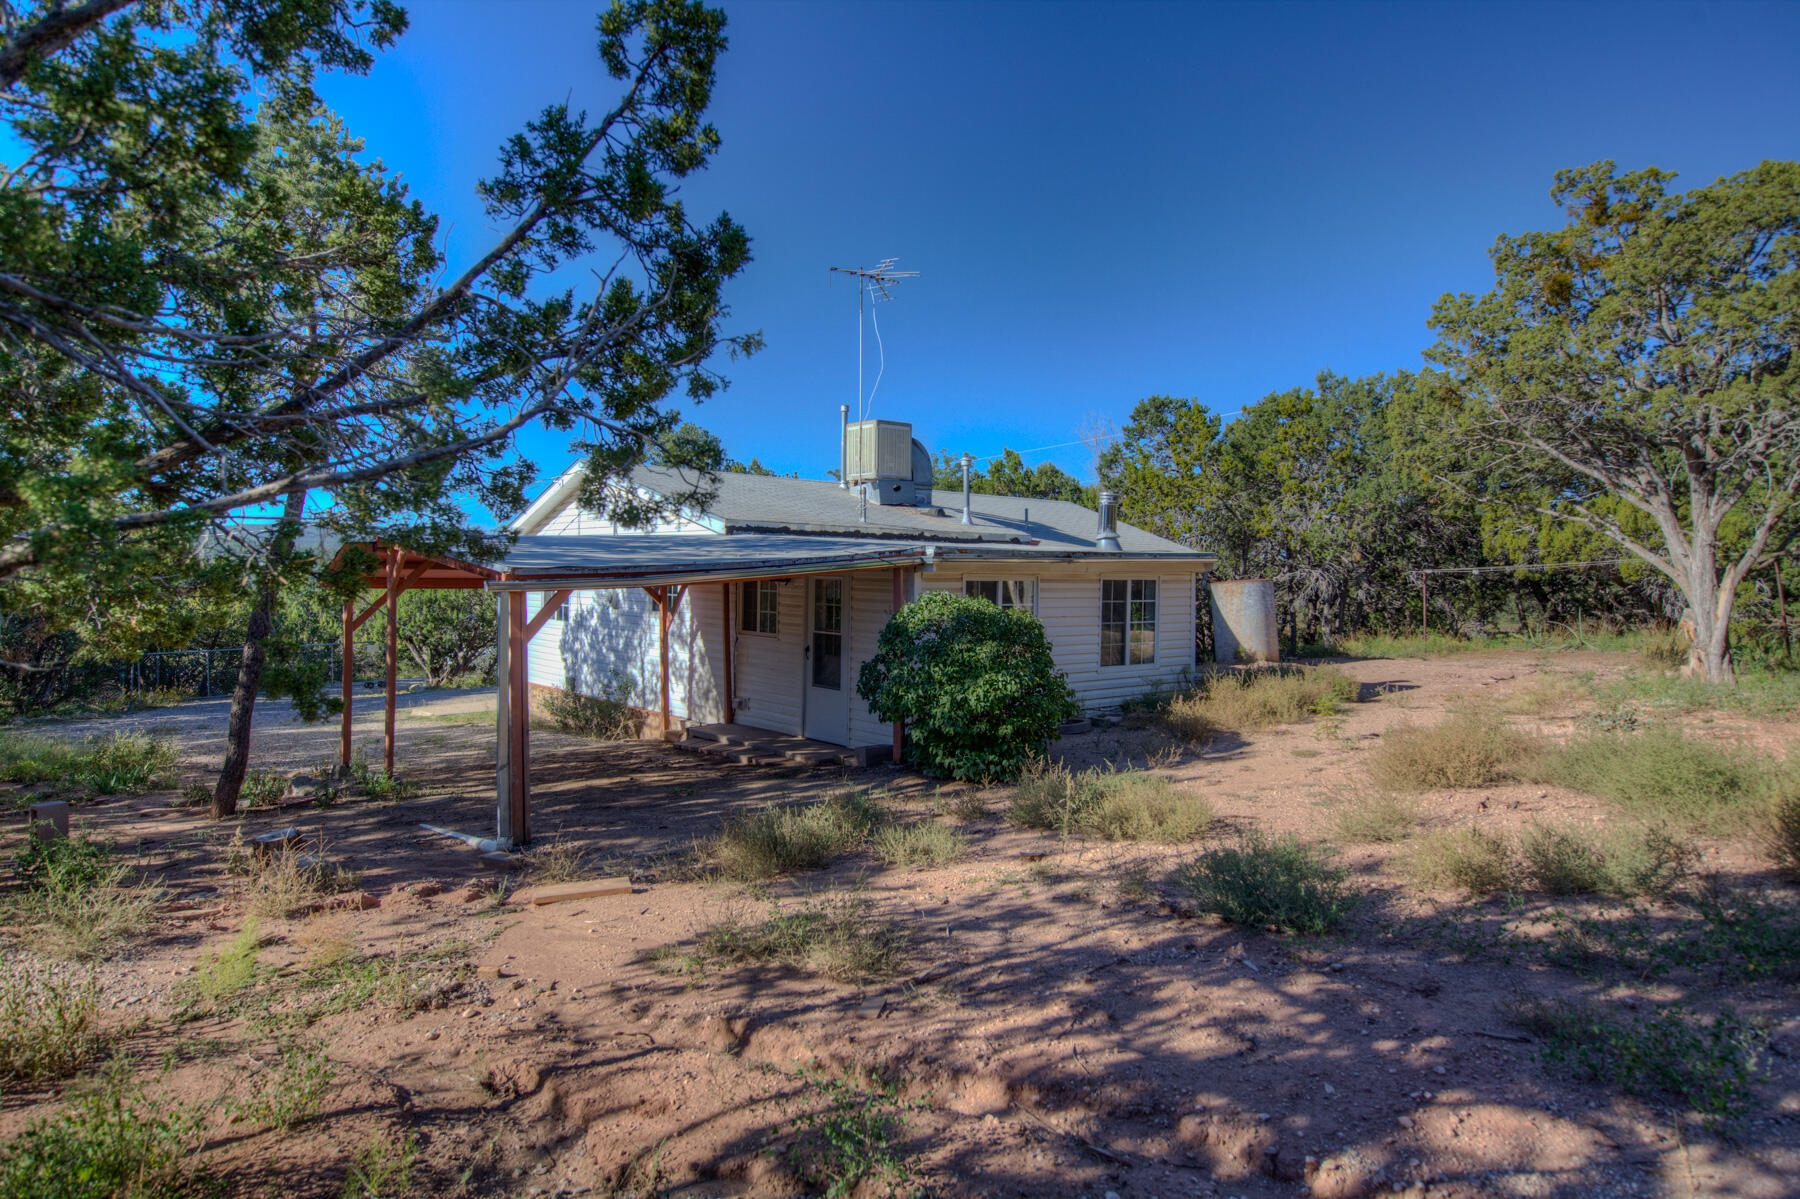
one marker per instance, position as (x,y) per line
(1061,1030)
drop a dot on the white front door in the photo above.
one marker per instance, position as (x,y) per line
(827,682)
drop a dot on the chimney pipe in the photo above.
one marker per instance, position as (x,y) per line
(968,460)
(844,446)
(1108,536)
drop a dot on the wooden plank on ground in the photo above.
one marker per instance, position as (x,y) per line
(558,892)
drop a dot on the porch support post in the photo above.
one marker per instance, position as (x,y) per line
(503,810)
(664,610)
(393,658)
(519,712)
(725,681)
(348,689)
(899,602)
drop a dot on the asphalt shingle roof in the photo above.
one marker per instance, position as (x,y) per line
(775,504)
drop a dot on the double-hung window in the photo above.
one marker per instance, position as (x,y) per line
(761,601)
(1127,621)
(1004,593)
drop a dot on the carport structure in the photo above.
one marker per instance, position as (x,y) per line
(663,566)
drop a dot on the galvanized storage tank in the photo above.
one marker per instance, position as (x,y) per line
(1245,628)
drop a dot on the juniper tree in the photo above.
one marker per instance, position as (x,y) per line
(1633,373)
(213,306)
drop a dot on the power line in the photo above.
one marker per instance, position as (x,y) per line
(1480,570)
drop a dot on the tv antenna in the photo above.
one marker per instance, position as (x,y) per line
(876,280)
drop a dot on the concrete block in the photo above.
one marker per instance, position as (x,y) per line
(48,821)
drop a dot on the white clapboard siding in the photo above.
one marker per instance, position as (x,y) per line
(571,521)
(767,684)
(1069,606)
(871,606)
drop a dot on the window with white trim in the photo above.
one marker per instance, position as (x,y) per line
(1004,593)
(761,602)
(561,614)
(1127,621)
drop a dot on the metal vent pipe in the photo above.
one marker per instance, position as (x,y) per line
(968,461)
(1107,537)
(844,446)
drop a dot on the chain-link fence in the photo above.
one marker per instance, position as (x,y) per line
(209,672)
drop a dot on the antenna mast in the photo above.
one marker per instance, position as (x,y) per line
(876,280)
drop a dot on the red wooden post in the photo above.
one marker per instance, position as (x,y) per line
(393,657)
(730,702)
(348,684)
(899,602)
(520,712)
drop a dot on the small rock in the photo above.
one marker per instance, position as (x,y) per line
(1112,1195)
(1330,1090)
(1405,1121)
(433,1035)
(488,972)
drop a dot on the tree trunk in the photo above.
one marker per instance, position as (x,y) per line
(250,669)
(1710,600)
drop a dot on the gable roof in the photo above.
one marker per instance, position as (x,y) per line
(776,504)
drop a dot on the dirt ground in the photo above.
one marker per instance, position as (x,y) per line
(1060,1031)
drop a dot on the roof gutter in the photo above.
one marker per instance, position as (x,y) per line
(767,570)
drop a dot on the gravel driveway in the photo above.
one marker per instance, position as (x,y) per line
(280,740)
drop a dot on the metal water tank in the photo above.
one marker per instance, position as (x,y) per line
(1245,628)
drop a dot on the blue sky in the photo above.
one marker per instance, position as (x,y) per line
(1104,201)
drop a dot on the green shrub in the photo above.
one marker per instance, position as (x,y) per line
(1377,817)
(1136,806)
(1283,884)
(1463,858)
(1661,775)
(854,1141)
(1670,1055)
(382,1169)
(289,1090)
(263,788)
(1258,698)
(839,938)
(49,1024)
(975,684)
(1117,805)
(601,718)
(1467,749)
(925,844)
(788,837)
(117,1143)
(1558,861)
(1781,834)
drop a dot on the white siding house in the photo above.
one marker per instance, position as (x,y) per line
(786,650)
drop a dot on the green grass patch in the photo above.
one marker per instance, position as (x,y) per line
(49,1024)
(1659,774)
(1731,934)
(117,763)
(1115,805)
(1283,884)
(1261,697)
(839,938)
(925,844)
(784,838)
(1465,859)
(76,903)
(1378,817)
(1670,1056)
(1760,691)
(116,1143)
(1475,748)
